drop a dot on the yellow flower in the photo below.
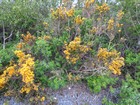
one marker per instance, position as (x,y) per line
(74,49)
(2,82)
(59,13)
(102,53)
(19,53)
(30,62)
(11,71)
(116,64)
(93,30)
(25,89)
(66,52)
(45,24)
(35,87)
(78,20)
(120,15)
(20,45)
(87,4)
(46,37)
(111,59)
(110,24)
(42,99)
(28,37)
(27,74)
(70,76)
(103,8)
(70,12)
(119,25)
(24,68)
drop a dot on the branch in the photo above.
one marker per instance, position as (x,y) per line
(92,71)
(3,30)
(9,35)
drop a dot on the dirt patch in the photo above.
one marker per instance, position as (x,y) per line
(74,94)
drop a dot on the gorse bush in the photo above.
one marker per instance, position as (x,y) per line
(71,44)
(66,42)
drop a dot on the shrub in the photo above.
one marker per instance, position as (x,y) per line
(6,55)
(96,83)
(128,94)
(56,82)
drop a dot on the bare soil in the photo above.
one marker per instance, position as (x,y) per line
(74,94)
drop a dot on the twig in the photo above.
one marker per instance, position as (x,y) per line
(9,35)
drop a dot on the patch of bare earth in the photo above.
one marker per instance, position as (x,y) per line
(78,94)
(74,94)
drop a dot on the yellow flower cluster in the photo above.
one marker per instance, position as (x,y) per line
(103,8)
(119,26)
(26,89)
(61,12)
(19,53)
(28,37)
(74,50)
(111,59)
(79,20)
(20,45)
(37,98)
(120,15)
(116,64)
(7,74)
(70,12)
(88,3)
(110,24)
(103,54)
(42,98)
(45,24)
(93,30)
(26,67)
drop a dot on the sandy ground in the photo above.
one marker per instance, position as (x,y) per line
(76,94)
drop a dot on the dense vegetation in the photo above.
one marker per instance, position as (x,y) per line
(52,43)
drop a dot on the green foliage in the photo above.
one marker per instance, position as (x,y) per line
(56,82)
(51,67)
(6,55)
(96,83)
(128,95)
(105,101)
(20,16)
(41,72)
(49,62)
(132,60)
(131,29)
(42,50)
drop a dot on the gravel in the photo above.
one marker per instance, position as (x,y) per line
(76,94)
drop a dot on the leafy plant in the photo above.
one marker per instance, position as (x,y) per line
(96,83)
(128,95)
(41,72)
(6,55)
(132,60)
(56,82)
